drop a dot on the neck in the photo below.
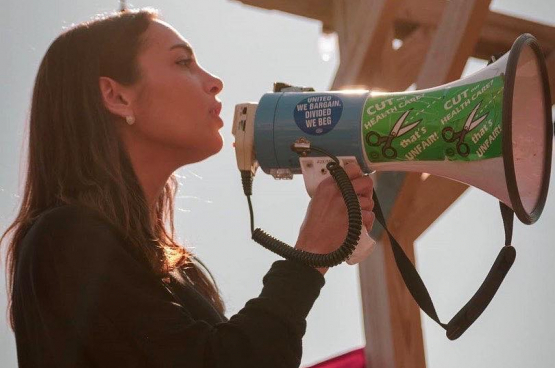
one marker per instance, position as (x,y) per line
(153,165)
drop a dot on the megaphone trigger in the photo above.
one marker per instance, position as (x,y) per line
(314,170)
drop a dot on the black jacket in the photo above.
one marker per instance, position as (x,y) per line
(80,299)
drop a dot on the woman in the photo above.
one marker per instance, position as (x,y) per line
(96,277)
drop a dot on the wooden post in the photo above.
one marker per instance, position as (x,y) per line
(413,212)
(456,35)
(408,59)
(370,23)
(455,38)
(496,36)
(452,32)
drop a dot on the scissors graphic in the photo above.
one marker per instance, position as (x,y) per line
(374,139)
(450,135)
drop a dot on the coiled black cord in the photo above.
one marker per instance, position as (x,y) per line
(313,259)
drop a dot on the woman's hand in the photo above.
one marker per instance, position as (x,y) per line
(324,228)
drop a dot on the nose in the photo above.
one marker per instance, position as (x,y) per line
(214,85)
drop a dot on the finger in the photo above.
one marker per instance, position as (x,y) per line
(363,186)
(353,170)
(329,181)
(366,203)
(368,218)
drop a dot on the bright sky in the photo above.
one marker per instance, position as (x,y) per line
(250,49)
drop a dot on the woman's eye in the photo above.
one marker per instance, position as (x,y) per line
(185,62)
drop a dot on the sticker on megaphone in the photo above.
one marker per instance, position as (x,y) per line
(461,123)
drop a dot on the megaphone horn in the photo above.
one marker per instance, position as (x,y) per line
(491,130)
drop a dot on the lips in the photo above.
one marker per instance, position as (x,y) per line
(215,112)
(216,109)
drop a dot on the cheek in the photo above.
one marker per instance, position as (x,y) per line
(170,112)
(169,121)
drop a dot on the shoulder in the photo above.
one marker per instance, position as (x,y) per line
(70,229)
(70,217)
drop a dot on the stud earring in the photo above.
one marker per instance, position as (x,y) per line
(130,120)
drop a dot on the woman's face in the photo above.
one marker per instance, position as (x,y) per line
(176,106)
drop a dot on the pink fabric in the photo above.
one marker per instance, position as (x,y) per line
(352,359)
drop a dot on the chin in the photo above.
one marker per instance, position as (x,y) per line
(217,144)
(209,151)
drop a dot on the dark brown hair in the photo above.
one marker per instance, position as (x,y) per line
(75,154)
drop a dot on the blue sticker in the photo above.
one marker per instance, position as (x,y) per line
(317,115)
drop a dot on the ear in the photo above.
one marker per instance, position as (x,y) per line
(116,98)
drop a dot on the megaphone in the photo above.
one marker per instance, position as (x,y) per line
(491,130)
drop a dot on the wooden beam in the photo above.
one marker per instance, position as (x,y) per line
(456,36)
(373,20)
(502,30)
(321,10)
(457,33)
(365,30)
(413,212)
(408,59)
(390,69)
(404,313)
(340,25)
(393,332)
(392,326)
(381,74)
(391,318)
(343,13)
(390,309)
(378,319)
(496,36)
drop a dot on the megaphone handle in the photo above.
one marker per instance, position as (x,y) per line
(478,303)
(313,170)
(364,247)
(314,259)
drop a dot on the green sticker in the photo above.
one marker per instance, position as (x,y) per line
(461,123)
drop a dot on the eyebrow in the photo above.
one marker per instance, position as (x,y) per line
(183,46)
